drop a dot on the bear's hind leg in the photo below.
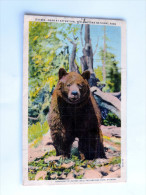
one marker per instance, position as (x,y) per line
(87,148)
(100,150)
(91,148)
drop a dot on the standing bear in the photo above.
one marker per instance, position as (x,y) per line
(74,113)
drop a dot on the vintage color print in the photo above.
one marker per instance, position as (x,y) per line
(74,100)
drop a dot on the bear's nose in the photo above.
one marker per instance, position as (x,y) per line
(74,93)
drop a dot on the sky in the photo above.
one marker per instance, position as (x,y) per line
(114,41)
(113,33)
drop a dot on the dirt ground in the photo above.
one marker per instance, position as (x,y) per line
(45,165)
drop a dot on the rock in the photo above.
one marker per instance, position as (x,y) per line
(92,174)
(41,174)
(68,165)
(75,143)
(52,158)
(78,168)
(80,172)
(117,154)
(101,161)
(111,131)
(109,155)
(54,176)
(115,167)
(33,154)
(70,175)
(74,148)
(98,168)
(33,168)
(105,170)
(63,176)
(115,174)
(44,146)
(111,146)
(110,151)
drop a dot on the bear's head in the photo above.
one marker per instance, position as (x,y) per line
(73,87)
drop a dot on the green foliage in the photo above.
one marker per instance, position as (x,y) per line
(115,160)
(52,153)
(48,51)
(43,43)
(66,171)
(31,175)
(98,73)
(39,163)
(79,176)
(118,143)
(113,74)
(112,120)
(39,108)
(37,130)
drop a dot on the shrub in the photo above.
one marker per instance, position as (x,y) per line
(37,130)
(112,120)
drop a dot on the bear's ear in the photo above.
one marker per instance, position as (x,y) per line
(62,72)
(86,75)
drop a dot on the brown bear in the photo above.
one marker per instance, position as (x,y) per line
(74,113)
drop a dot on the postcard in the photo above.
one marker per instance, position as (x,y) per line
(74,100)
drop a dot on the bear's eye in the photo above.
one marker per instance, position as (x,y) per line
(80,86)
(68,85)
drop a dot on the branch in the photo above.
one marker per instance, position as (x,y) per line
(75,38)
(76,68)
(70,41)
(33,118)
(96,47)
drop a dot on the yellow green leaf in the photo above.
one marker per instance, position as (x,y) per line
(35,38)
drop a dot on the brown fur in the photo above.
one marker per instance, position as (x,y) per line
(75,116)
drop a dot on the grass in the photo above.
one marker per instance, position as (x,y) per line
(113,140)
(115,160)
(36,131)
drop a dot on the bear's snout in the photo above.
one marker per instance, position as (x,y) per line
(74,93)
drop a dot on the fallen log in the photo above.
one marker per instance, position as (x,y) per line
(107,100)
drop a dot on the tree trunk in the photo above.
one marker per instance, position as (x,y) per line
(72,65)
(87,58)
(73,56)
